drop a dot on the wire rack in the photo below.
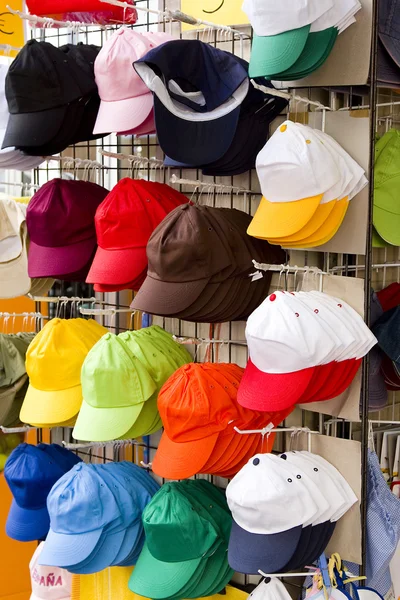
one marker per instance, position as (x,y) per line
(110,170)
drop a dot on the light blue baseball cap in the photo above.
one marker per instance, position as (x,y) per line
(80,506)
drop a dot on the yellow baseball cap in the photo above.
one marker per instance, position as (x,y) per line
(316,222)
(53,362)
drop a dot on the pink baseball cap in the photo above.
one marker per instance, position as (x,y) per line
(48,583)
(126,101)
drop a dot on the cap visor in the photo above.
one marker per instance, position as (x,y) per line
(392,47)
(279,391)
(317,49)
(51,407)
(166,298)
(387,224)
(314,224)
(132,537)
(33,129)
(282,219)
(53,262)
(171,577)
(27,525)
(276,53)
(62,550)
(117,266)
(145,420)
(102,556)
(181,460)
(249,552)
(104,424)
(194,143)
(123,115)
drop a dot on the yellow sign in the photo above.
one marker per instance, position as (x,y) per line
(11,27)
(220,12)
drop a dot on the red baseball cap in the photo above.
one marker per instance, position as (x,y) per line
(390,296)
(103,12)
(124,222)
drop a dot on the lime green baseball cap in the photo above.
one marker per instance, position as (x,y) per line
(317,49)
(276,53)
(377,241)
(386,214)
(115,387)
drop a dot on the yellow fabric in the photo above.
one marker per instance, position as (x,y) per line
(315,223)
(53,362)
(112,583)
(281,219)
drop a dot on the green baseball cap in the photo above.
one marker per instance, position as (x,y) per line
(115,387)
(12,358)
(11,399)
(377,241)
(386,215)
(317,49)
(276,53)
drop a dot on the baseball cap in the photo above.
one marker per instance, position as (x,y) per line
(61,227)
(389,297)
(124,223)
(126,102)
(313,171)
(48,583)
(96,10)
(14,277)
(30,474)
(388,29)
(280,33)
(115,386)
(53,362)
(386,208)
(201,104)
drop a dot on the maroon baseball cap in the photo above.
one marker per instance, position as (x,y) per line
(60,221)
(124,223)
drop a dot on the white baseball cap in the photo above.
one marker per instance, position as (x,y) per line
(299,158)
(342,11)
(48,583)
(14,279)
(268,17)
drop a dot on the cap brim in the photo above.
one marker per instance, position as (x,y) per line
(277,53)
(117,266)
(123,115)
(194,142)
(387,224)
(62,550)
(34,129)
(104,553)
(181,460)
(53,262)
(282,219)
(317,49)
(104,424)
(170,579)
(167,298)
(314,224)
(392,47)
(145,420)
(27,525)
(132,536)
(51,407)
(249,552)
(280,391)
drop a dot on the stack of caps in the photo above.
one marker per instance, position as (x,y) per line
(11,158)
(386,330)
(96,517)
(388,45)
(201,104)
(386,214)
(257,111)
(48,583)
(124,223)
(53,362)
(121,378)
(86,11)
(13,377)
(304,347)
(200,259)
(307,181)
(42,123)
(291,42)
(60,220)
(285,509)
(126,102)
(31,472)
(187,527)
(14,278)
(199,410)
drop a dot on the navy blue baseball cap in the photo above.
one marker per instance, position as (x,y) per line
(198,91)
(387,332)
(389,28)
(31,473)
